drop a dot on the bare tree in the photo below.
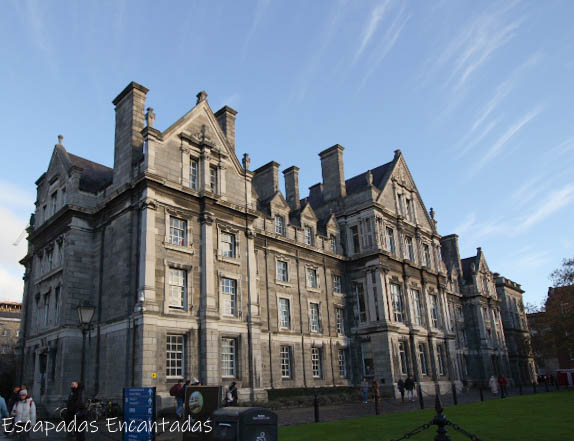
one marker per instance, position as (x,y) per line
(564,275)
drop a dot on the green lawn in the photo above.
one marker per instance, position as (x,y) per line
(539,417)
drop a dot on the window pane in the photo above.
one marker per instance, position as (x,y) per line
(228,244)
(177,231)
(193,174)
(315,322)
(285,357)
(316,362)
(174,356)
(282,273)
(228,357)
(342,364)
(177,288)
(229,296)
(285,313)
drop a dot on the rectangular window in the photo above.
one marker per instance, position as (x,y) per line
(418,307)
(193,174)
(284,313)
(403,357)
(367,356)
(459,315)
(228,244)
(308,236)
(280,225)
(342,359)
(312,279)
(228,357)
(177,288)
(333,243)
(428,261)
(285,356)
(337,284)
(282,271)
(434,310)
(391,241)
(47,309)
(410,210)
(369,230)
(54,202)
(213,179)
(400,207)
(229,296)
(340,320)
(177,231)
(174,356)
(314,317)
(316,362)
(362,305)
(423,359)
(57,305)
(356,239)
(410,248)
(441,360)
(397,302)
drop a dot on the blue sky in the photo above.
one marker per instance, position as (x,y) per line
(477,95)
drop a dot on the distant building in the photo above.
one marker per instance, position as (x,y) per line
(200,267)
(10,313)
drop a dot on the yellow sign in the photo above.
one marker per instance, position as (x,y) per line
(154,375)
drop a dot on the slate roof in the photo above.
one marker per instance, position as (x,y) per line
(466,264)
(95,177)
(358,183)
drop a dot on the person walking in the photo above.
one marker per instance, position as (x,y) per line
(231,397)
(180,399)
(502,383)
(365,390)
(401,387)
(493,385)
(76,408)
(24,411)
(3,409)
(174,392)
(410,387)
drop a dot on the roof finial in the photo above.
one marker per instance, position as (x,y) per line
(150,117)
(60,139)
(432,213)
(246,161)
(201,96)
(369,178)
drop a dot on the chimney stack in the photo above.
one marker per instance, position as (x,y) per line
(450,253)
(226,119)
(291,175)
(130,120)
(333,173)
(266,180)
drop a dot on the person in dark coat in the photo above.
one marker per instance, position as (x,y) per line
(401,386)
(76,407)
(410,387)
(231,395)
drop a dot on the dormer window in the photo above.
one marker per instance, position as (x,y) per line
(54,202)
(308,236)
(410,248)
(428,262)
(280,225)
(356,239)
(213,179)
(193,174)
(410,210)
(333,243)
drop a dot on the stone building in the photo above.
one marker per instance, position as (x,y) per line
(10,313)
(200,267)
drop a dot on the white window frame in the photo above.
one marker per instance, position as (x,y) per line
(308,235)
(315,317)
(182,288)
(280,227)
(194,179)
(423,359)
(434,310)
(404,357)
(360,295)
(390,240)
(418,306)
(229,358)
(229,299)
(342,362)
(312,283)
(339,319)
(398,303)
(174,239)
(285,357)
(337,284)
(316,362)
(284,321)
(175,345)
(441,360)
(213,179)
(427,255)
(410,246)
(282,277)
(228,247)
(333,243)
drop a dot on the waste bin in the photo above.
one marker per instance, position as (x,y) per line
(244,424)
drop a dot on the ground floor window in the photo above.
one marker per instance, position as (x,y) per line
(316,362)
(285,356)
(174,356)
(342,358)
(228,357)
(403,357)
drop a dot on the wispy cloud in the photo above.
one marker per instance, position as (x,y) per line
(373,21)
(551,203)
(260,9)
(501,142)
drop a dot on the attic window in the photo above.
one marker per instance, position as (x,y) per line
(308,236)
(333,243)
(280,225)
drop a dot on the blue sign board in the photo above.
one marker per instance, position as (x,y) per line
(139,412)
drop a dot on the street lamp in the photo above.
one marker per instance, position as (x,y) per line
(85,315)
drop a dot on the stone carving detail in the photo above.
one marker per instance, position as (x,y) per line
(150,117)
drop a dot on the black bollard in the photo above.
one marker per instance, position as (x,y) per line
(421,400)
(316,407)
(481,394)
(454,397)
(520,388)
(440,421)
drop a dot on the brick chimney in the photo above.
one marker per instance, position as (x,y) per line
(130,120)
(291,175)
(450,253)
(226,119)
(333,173)
(266,180)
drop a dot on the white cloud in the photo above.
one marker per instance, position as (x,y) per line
(257,17)
(374,19)
(551,204)
(11,286)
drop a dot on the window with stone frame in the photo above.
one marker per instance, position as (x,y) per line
(390,237)
(6,332)
(47,309)
(361,301)
(312,278)
(337,284)
(174,356)
(423,358)
(410,210)
(56,305)
(54,202)
(314,317)
(280,225)
(308,235)
(333,243)
(398,307)
(228,245)
(369,233)
(213,179)
(342,362)
(229,357)
(282,271)
(403,357)
(177,288)
(356,239)
(316,362)
(410,248)
(435,322)
(284,313)
(194,174)
(418,307)
(428,260)
(285,358)
(367,358)
(177,231)
(229,296)
(340,320)
(441,360)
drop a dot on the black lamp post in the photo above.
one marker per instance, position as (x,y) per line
(85,315)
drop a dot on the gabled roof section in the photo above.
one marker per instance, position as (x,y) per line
(276,200)
(473,265)
(296,216)
(360,182)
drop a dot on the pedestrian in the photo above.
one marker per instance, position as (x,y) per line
(231,397)
(376,390)
(502,383)
(174,392)
(180,398)
(365,390)
(493,385)
(76,409)
(3,409)
(24,411)
(401,387)
(410,387)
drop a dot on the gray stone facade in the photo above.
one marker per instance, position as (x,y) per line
(199,267)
